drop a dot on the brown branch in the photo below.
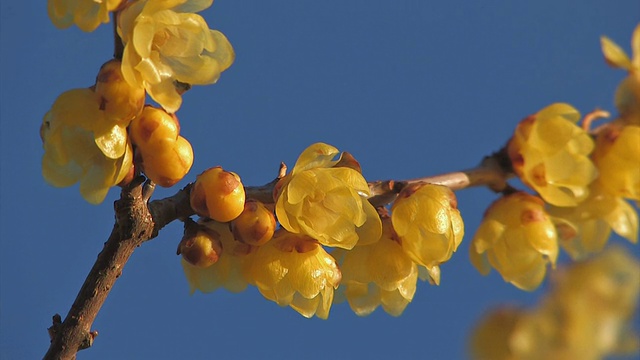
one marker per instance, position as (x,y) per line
(138,221)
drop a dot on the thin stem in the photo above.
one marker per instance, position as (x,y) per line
(491,173)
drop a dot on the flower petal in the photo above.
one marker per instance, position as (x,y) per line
(614,55)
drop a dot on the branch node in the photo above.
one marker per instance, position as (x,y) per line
(53,330)
(87,342)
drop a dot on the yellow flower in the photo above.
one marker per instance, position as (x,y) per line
(326,202)
(87,14)
(598,300)
(549,153)
(552,332)
(428,223)
(627,96)
(226,272)
(165,43)
(585,229)
(617,157)
(587,315)
(80,145)
(294,270)
(517,238)
(490,338)
(377,274)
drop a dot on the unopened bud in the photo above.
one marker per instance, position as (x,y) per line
(255,225)
(200,245)
(120,101)
(218,194)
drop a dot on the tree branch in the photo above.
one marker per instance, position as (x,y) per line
(492,172)
(135,223)
(138,221)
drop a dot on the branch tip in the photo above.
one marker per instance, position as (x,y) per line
(282,171)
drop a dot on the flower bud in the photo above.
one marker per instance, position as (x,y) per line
(120,101)
(255,225)
(218,194)
(200,246)
(617,157)
(153,128)
(168,165)
(166,156)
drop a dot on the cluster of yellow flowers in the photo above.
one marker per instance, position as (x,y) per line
(588,315)
(582,184)
(320,237)
(331,240)
(329,233)
(103,135)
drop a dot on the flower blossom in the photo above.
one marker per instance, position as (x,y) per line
(518,239)
(81,144)
(585,229)
(549,153)
(377,274)
(326,202)
(627,96)
(491,337)
(86,14)
(166,45)
(428,223)
(587,315)
(597,301)
(294,270)
(617,157)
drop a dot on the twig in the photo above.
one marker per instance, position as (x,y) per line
(493,172)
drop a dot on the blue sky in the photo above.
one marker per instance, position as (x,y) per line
(410,88)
